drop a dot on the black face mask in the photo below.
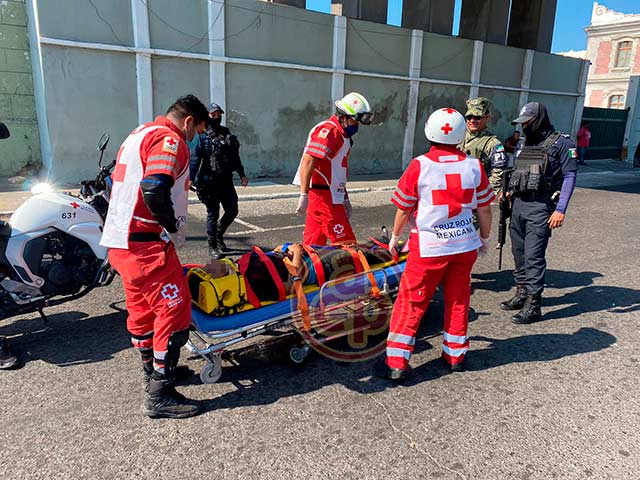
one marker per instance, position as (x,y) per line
(539,129)
(215,122)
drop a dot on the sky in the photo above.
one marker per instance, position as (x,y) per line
(572,16)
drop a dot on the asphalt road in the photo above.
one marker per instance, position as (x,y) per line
(557,399)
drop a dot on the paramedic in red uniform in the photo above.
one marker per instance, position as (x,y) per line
(144,225)
(322,174)
(437,195)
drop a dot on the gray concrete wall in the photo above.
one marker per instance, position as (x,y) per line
(431,97)
(378,147)
(504,109)
(372,47)
(17,103)
(109,22)
(182,29)
(174,77)
(87,94)
(278,34)
(501,65)
(446,58)
(273,121)
(270,106)
(553,72)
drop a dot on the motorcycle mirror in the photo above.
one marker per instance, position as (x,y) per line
(4,131)
(102,145)
(104,140)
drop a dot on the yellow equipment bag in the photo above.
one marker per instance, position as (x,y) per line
(218,296)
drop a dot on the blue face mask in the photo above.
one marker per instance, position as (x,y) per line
(351,130)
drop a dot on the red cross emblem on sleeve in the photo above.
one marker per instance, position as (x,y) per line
(447,129)
(454,196)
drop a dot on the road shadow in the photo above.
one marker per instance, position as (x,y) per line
(524,349)
(259,383)
(503,281)
(69,338)
(593,298)
(262,374)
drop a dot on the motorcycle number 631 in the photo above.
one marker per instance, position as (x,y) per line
(68,215)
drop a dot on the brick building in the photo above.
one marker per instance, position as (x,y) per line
(613,47)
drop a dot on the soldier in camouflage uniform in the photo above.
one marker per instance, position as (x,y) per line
(482,144)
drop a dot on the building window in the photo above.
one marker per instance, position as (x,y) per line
(616,101)
(623,58)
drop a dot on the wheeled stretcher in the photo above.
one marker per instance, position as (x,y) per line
(318,313)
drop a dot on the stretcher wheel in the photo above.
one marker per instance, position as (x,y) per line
(298,355)
(211,372)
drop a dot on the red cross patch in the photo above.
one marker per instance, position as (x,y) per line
(75,204)
(454,196)
(170,145)
(447,129)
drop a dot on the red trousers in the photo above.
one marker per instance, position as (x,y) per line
(326,221)
(157,295)
(419,281)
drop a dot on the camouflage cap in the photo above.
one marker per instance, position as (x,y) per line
(479,107)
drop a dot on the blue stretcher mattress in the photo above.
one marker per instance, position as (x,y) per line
(210,324)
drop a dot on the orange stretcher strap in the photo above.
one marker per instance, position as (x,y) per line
(303,306)
(317,264)
(372,278)
(394,254)
(357,262)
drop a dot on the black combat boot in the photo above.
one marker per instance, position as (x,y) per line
(382,370)
(517,301)
(214,249)
(530,311)
(221,245)
(7,359)
(164,401)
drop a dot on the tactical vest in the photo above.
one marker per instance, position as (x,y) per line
(475,147)
(529,175)
(220,164)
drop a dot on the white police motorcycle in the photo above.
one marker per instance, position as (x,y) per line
(50,250)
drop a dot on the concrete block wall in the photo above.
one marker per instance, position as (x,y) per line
(114,66)
(17,103)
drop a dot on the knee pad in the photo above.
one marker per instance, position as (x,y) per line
(176,341)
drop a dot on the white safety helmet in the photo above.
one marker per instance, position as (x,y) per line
(446,126)
(356,106)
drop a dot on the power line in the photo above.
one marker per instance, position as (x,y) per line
(115,35)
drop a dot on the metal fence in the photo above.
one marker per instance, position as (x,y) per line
(607,126)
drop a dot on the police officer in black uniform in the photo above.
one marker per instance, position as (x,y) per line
(540,187)
(213,178)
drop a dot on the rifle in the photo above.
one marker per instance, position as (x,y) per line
(505,214)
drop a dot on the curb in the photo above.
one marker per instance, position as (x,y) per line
(273,196)
(270,196)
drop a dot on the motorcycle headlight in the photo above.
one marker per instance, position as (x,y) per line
(41,188)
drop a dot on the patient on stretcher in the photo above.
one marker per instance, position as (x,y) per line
(260,277)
